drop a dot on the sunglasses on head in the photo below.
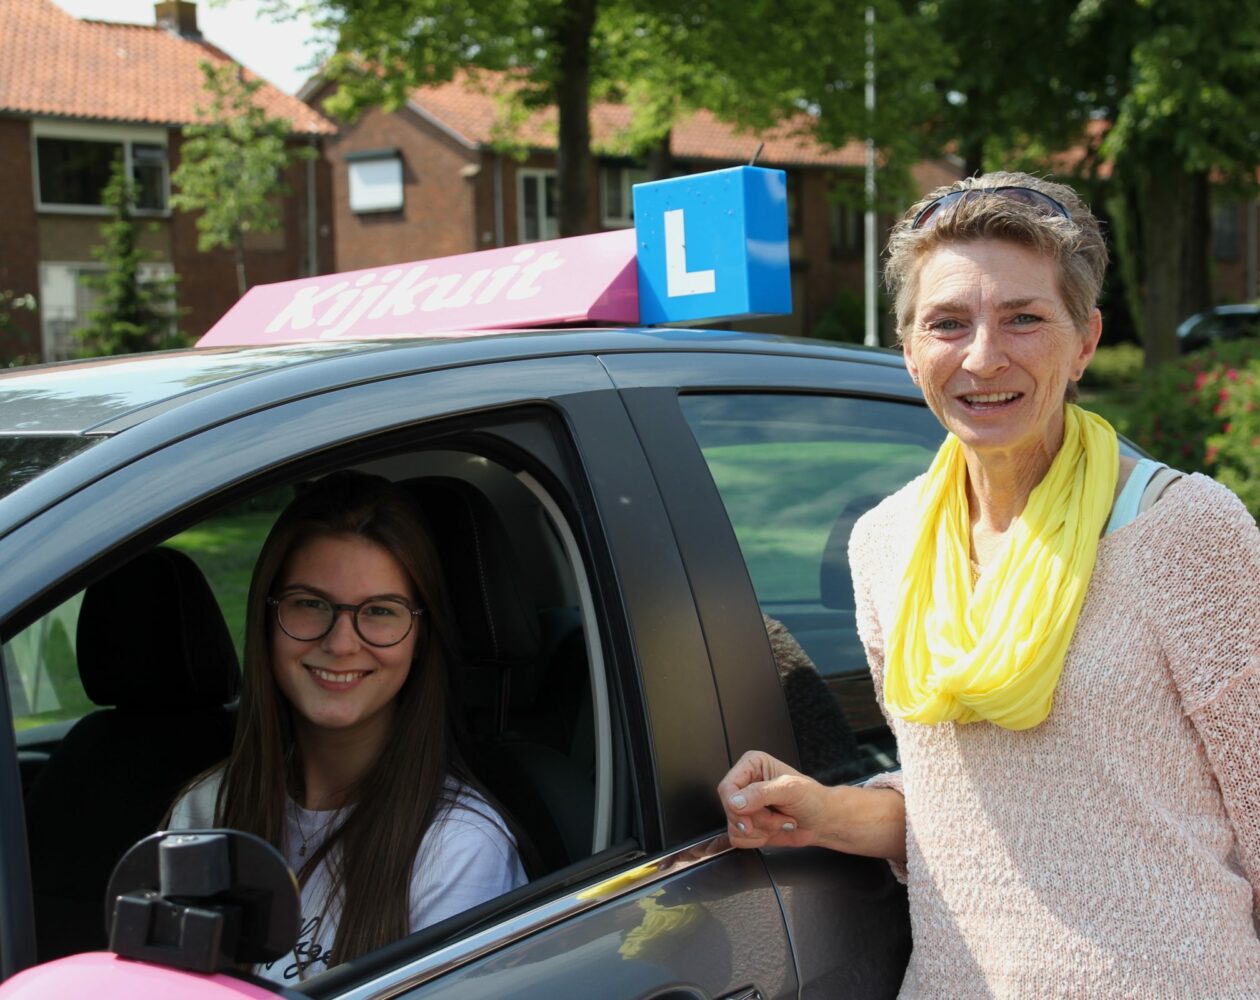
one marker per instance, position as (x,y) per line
(931,213)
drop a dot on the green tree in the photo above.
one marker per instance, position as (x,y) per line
(133,312)
(752,62)
(1176,81)
(230,165)
(10,303)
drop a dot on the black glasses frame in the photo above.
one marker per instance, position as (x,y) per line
(1023,195)
(353,610)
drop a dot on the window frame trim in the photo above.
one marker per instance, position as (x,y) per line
(124,135)
(531,173)
(364,157)
(623,170)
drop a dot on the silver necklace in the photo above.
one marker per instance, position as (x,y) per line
(306,839)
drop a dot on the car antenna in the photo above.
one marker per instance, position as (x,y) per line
(753,161)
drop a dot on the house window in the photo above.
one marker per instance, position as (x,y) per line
(536,205)
(148,171)
(848,230)
(1227,230)
(375,180)
(618,203)
(65,302)
(74,162)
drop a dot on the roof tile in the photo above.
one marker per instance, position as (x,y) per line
(470,106)
(54,64)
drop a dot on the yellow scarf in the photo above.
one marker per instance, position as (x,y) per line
(995,650)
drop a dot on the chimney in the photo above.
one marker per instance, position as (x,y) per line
(179,17)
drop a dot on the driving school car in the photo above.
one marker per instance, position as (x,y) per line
(644,532)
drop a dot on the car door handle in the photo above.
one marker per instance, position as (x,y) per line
(750,993)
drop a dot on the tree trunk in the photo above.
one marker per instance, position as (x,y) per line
(1196,281)
(238,247)
(573,156)
(973,158)
(1173,206)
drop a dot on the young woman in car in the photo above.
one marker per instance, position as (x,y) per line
(345,757)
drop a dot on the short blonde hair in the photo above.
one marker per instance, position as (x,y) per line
(1077,243)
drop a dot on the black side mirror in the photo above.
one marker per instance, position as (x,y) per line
(202,900)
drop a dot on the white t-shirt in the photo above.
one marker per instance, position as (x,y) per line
(466,857)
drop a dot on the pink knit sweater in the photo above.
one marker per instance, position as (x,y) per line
(1114,850)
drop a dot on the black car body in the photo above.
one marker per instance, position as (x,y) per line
(647,498)
(1217,325)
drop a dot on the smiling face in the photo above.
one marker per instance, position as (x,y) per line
(993,346)
(340,682)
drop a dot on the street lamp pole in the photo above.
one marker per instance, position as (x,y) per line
(872,278)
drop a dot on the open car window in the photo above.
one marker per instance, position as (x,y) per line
(531,693)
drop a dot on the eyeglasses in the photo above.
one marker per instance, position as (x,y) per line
(379,621)
(931,213)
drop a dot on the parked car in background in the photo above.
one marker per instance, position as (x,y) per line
(1219,324)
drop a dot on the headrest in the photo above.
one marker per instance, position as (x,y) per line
(151,635)
(835,582)
(483,576)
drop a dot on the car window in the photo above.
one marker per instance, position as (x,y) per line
(44,680)
(794,473)
(531,693)
(24,458)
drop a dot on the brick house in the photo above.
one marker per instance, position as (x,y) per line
(425,181)
(76,94)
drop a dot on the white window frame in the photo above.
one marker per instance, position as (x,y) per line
(126,136)
(56,348)
(548,229)
(365,161)
(624,178)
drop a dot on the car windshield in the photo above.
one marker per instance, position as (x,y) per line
(24,458)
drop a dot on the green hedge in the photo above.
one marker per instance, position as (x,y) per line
(1199,414)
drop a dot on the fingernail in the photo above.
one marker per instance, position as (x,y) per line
(738,801)
(741,828)
(788,827)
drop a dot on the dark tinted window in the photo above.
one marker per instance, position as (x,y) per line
(795,473)
(24,458)
(75,171)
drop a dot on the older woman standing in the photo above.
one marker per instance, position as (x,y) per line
(1075,690)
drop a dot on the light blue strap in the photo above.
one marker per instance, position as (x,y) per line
(1126,506)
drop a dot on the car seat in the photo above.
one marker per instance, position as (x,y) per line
(523,731)
(154,651)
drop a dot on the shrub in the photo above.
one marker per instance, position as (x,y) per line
(1178,406)
(1233,454)
(845,319)
(1116,366)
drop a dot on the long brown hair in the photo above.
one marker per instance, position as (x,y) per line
(371,853)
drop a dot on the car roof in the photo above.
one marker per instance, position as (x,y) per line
(107,395)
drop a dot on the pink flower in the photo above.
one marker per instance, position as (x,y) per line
(1210,456)
(1232,374)
(1201,380)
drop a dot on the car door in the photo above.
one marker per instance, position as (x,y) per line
(665,910)
(765,462)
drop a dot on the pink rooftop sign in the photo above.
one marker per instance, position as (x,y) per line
(582,279)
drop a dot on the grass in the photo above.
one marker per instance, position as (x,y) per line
(1111,384)
(225,548)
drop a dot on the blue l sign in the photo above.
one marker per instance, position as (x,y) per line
(713,246)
